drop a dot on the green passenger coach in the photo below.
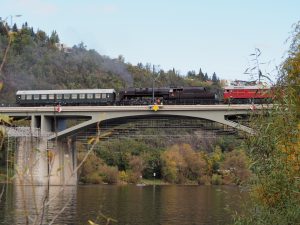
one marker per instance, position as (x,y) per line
(66,97)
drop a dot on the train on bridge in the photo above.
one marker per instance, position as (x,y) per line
(146,96)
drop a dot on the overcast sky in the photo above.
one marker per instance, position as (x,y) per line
(215,35)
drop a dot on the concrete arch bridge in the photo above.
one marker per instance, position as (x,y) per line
(49,123)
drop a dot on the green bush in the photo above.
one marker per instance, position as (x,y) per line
(109,174)
(237,163)
(89,169)
(134,177)
(123,176)
(216,179)
(204,180)
(93,178)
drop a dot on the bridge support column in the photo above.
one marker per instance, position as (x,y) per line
(31,161)
(44,123)
(63,162)
(35,122)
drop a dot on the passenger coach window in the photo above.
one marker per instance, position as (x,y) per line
(103,95)
(66,96)
(43,97)
(82,96)
(28,97)
(51,96)
(58,96)
(89,96)
(36,97)
(74,96)
(98,96)
(23,97)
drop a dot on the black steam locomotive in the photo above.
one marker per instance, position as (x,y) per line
(130,96)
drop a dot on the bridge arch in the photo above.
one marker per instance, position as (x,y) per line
(216,116)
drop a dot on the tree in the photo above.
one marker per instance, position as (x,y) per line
(275,150)
(121,58)
(206,78)
(237,163)
(201,75)
(181,163)
(214,78)
(54,38)
(41,36)
(3,29)
(191,74)
(15,28)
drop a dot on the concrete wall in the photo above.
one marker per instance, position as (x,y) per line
(31,161)
(62,163)
(37,165)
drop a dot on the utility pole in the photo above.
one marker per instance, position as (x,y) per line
(153,82)
(153,85)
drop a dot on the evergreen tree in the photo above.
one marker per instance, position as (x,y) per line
(140,65)
(201,75)
(3,30)
(214,78)
(121,58)
(206,78)
(15,28)
(54,38)
(191,74)
(25,25)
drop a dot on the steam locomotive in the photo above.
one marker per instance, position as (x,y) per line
(145,96)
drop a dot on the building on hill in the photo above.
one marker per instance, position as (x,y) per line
(63,47)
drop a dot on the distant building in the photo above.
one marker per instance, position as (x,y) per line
(225,82)
(63,47)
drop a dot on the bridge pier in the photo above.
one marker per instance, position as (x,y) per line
(63,163)
(36,164)
(31,161)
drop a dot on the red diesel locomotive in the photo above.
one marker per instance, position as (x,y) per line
(257,94)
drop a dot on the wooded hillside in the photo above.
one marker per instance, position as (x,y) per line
(36,60)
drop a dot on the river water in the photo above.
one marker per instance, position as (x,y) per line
(128,204)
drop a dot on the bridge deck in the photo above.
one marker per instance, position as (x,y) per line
(9,110)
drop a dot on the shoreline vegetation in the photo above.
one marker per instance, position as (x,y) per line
(131,162)
(156,182)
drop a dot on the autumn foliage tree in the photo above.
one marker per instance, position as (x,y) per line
(275,150)
(182,163)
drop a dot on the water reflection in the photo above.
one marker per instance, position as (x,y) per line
(38,205)
(130,204)
(160,205)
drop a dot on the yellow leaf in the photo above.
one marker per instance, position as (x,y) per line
(91,140)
